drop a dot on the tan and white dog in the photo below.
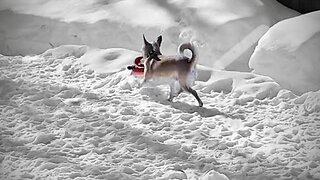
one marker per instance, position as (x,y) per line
(178,68)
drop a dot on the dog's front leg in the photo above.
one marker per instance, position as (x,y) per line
(143,82)
(146,77)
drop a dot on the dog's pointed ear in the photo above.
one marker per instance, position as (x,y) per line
(159,40)
(144,39)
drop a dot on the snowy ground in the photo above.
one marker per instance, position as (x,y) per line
(60,119)
(75,112)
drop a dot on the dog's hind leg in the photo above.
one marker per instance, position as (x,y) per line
(173,92)
(194,93)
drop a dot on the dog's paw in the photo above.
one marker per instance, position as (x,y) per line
(142,83)
(200,104)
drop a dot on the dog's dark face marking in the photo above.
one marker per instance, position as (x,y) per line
(152,50)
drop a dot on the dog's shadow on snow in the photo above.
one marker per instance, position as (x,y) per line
(156,95)
(189,108)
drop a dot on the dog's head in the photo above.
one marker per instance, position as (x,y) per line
(152,50)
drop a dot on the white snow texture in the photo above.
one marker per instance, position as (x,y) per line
(74,111)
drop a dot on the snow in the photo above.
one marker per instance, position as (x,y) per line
(213,175)
(96,122)
(66,50)
(310,102)
(94,11)
(245,86)
(226,31)
(99,60)
(291,57)
(74,111)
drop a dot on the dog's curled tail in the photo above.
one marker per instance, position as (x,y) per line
(191,47)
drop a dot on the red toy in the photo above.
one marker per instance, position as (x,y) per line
(138,68)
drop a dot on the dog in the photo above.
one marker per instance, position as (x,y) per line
(179,68)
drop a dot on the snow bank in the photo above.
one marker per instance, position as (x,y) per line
(289,53)
(225,30)
(99,60)
(244,86)
(108,60)
(66,51)
(310,102)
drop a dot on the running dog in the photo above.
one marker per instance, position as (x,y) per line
(179,68)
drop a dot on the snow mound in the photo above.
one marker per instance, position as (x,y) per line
(310,102)
(244,86)
(66,51)
(291,58)
(171,174)
(108,60)
(99,60)
(214,175)
(44,138)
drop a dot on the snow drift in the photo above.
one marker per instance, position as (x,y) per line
(99,60)
(289,53)
(245,86)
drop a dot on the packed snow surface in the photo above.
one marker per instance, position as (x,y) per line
(289,53)
(62,117)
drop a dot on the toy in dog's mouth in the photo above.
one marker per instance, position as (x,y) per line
(137,68)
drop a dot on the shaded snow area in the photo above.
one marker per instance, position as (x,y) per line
(289,53)
(75,112)
(226,31)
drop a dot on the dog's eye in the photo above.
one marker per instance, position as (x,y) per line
(151,52)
